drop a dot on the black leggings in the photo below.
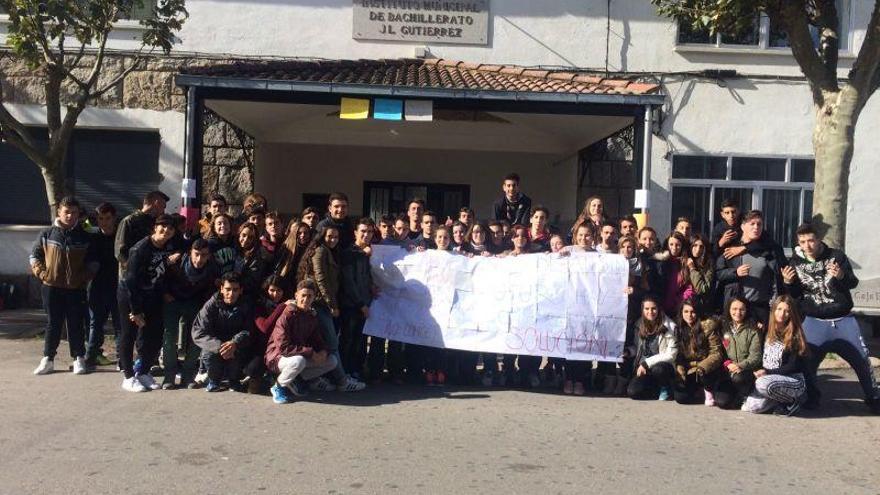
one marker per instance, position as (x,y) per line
(146,340)
(647,386)
(686,390)
(732,389)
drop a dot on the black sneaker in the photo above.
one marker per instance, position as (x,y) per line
(298,388)
(788,410)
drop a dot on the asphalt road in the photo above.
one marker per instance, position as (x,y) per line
(66,434)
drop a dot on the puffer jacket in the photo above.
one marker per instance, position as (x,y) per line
(708,356)
(64,258)
(742,347)
(218,322)
(668,349)
(323,268)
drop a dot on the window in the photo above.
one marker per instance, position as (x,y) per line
(102,165)
(765,34)
(382,198)
(138,12)
(781,187)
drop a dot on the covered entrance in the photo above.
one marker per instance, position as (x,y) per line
(486,121)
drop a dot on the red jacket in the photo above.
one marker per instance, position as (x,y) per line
(265,323)
(296,333)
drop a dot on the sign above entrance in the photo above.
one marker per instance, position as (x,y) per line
(463,22)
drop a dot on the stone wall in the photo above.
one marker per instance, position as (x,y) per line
(227,162)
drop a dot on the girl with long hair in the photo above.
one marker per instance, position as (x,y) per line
(698,365)
(593,212)
(320,262)
(675,274)
(701,270)
(291,251)
(222,243)
(250,262)
(742,349)
(654,351)
(779,384)
(268,309)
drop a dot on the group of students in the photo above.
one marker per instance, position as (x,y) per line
(250,304)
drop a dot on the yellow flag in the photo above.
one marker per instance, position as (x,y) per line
(354,108)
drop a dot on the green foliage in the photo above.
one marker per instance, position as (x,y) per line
(38,26)
(715,16)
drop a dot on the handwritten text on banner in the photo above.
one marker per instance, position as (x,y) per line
(540,304)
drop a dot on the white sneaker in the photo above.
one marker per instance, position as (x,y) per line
(133,385)
(201,378)
(352,385)
(46,366)
(147,381)
(79,366)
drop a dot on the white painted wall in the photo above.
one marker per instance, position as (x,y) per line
(15,241)
(285,171)
(550,32)
(761,117)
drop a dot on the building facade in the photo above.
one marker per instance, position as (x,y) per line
(730,116)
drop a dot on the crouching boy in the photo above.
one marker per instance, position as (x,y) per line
(295,347)
(222,326)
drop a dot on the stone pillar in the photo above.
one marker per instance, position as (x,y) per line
(227,162)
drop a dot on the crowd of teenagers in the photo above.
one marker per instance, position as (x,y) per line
(254,304)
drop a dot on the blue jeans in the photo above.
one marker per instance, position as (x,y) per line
(102,304)
(331,340)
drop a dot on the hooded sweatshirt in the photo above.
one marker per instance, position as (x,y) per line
(820,294)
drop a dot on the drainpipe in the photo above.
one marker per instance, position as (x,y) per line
(191,187)
(643,195)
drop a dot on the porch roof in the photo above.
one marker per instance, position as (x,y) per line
(431,78)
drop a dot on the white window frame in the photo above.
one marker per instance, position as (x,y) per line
(763,47)
(757,186)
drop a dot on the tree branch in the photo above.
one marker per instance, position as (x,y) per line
(17,134)
(793,17)
(827,21)
(116,80)
(865,73)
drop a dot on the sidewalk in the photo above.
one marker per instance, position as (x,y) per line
(22,323)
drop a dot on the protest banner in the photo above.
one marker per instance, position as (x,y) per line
(538,304)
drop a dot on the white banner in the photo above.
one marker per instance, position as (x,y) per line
(538,304)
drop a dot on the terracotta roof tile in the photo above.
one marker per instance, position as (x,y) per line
(431,73)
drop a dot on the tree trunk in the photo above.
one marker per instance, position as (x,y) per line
(54,178)
(833,143)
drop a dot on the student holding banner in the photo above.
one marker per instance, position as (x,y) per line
(578,373)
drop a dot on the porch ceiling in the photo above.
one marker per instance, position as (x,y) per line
(451,129)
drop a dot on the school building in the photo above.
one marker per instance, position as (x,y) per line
(580,98)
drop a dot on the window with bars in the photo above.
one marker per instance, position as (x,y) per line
(780,187)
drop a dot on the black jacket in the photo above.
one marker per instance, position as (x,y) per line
(107,277)
(218,322)
(142,281)
(357,280)
(821,295)
(346,231)
(515,213)
(187,283)
(131,229)
(764,247)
